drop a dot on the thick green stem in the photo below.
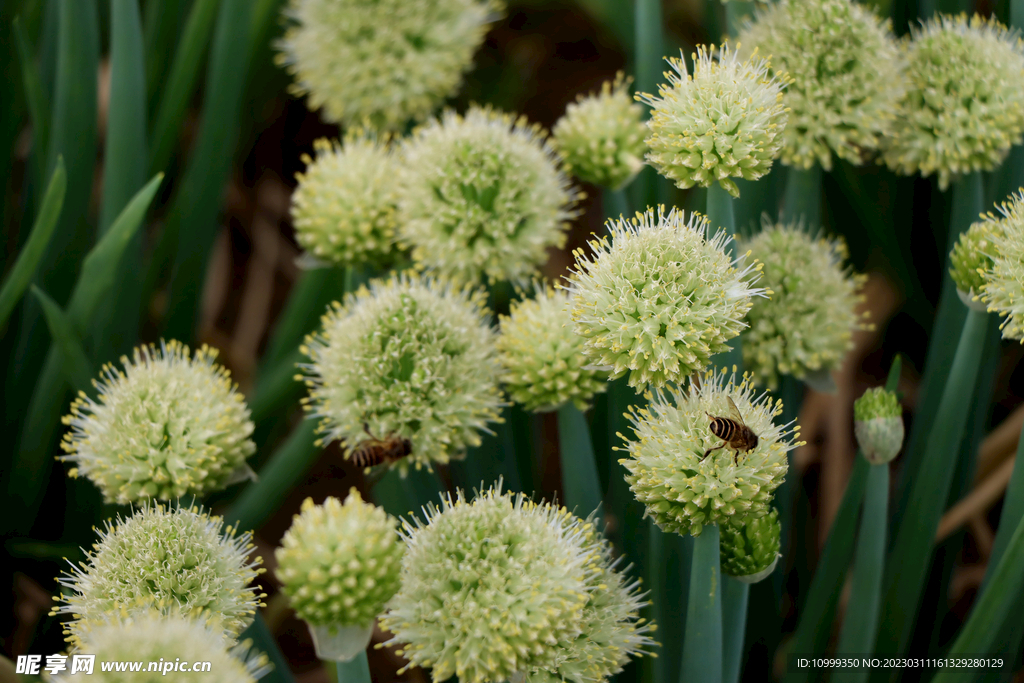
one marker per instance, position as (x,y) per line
(912,551)
(722,217)
(355,671)
(735,597)
(649,65)
(803,196)
(968,202)
(650,50)
(702,647)
(815,626)
(580,481)
(861,623)
(616,205)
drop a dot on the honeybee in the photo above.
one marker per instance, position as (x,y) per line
(732,431)
(376,451)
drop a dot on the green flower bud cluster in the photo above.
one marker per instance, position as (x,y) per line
(807,325)
(971,260)
(1003,290)
(338,564)
(482,194)
(389,61)
(175,560)
(152,636)
(964,104)
(722,122)
(504,588)
(410,358)
(169,425)
(543,361)
(601,137)
(683,485)
(345,204)
(844,74)
(878,425)
(749,551)
(660,298)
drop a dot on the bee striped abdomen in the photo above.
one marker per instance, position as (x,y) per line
(724,428)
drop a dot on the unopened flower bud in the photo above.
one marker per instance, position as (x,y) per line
(878,425)
(749,550)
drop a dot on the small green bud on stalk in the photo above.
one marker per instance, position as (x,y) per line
(878,425)
(750,550)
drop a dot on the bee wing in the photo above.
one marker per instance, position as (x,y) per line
(734,412)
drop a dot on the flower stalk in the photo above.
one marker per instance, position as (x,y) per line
(802,202)
(908,563)
(580,480)
(702,647)
(354,671)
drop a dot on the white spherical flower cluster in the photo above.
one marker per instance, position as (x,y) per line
(543,361)
(388,61)
(1003,290)
(683,488)
(338,563)
(482,195)
(844,77)
(660,298)
(408,357)
(807,325)
(175,560)
(503,588)
(601,137)
(345,204)
(722,122)
(170,424)
(153,636)
(964,105)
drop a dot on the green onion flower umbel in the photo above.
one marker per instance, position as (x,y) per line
(410,358)
(722,122)
(964,105)
(504,588)
(682,488)
(971,260)
(610,632)
(175,560)
(878,425)
(389,61)
(344,206)
(844,77)
(153,636)
(1003,290)
(749,551)
(660,298)
(170,424)
(338,565)
(484,195)
(806,328)
(601,137)
(543,361)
